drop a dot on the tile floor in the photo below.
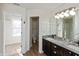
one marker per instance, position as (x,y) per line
(13,49)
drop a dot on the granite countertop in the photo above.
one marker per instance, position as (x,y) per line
(62,43)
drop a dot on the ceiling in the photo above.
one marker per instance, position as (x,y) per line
(48,5)
(40,5)
(51,6)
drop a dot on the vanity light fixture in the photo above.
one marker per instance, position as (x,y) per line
(66,13)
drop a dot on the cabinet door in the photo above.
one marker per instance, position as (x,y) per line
(53,48)
(56,50)
(46,47)
(60,51)
(69,53)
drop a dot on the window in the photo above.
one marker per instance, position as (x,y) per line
(16,27)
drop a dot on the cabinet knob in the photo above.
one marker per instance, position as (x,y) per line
(54,52)
(55,46)
(69,52)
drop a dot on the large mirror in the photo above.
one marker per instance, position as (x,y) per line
(66,28)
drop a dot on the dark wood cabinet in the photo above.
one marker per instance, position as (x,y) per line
(52,49)
(69,53)
(56,50)
(46,47)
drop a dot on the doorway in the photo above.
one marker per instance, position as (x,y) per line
(34,33)
(12,35)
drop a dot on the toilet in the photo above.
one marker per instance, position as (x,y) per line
(34,39)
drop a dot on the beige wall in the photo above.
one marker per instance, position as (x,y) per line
(1,30)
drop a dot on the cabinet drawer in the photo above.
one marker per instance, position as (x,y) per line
(53,53)
(53,46)
(69,53)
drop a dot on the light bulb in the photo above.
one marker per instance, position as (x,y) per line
(67,11)
(56,16)
(72,12)
(66,14)
(61,15)
(73,9)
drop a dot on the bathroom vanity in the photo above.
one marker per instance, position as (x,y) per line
(65,38)
(56,47)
